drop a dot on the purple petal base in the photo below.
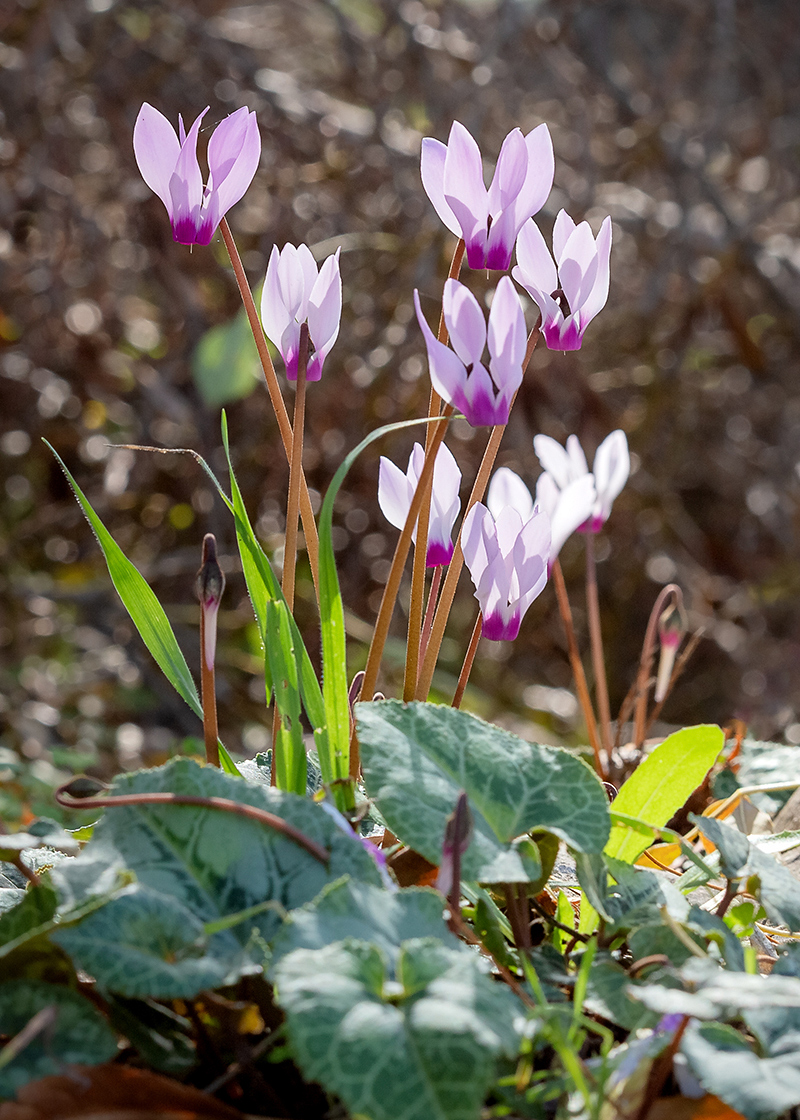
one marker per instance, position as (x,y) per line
(438,554)
(186,232)
(499,629)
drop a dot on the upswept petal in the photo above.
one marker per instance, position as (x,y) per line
(539,177)
(531,558)
(186,183)
(547,494)
(596,299)
(574,507)
(394,493)
(473,541)
(447,372)
(507,526)
(324,313)
(500,242)
(577,459)
(275,316)
(432,173)
(445,504)
(465,192)
(506,336)
(535,269)
(508,489)
(612,465)
(563,228)
(230,187)
(308,268)
(479,402)
(292,282)
(465,322)
(509,173)
(156,148)
(554,459)
(578,266)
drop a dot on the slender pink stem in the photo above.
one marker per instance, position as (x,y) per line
(596,639)
(466,668)
(433,595)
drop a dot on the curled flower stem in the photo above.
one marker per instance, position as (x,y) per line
(392,587)
(646,662)
(457,562)
(224,804)
(577,667)
(281,415)
(433,596)
(466,668)
(414,644)
(596,639)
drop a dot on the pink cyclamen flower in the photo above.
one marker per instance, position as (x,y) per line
(396,491)
(568,297)
(295,292)
(489,221)
(169,166)
(563,487)
(507,559)
(458,375)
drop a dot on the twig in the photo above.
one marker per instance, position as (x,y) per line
(433,595)
(466,668)
(646,662)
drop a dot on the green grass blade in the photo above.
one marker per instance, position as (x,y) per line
(226,763)
(264,588)
(140,601)
(290,751)
(334,656)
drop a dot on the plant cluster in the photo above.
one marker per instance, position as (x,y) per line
(401,907)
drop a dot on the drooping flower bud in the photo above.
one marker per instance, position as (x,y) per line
(671,628)
(457,836)
(209,586)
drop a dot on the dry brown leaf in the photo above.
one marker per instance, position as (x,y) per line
(681,1108)
(112,1092)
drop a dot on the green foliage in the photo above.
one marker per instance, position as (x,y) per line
(140,601)
(76,1034)
(225,363)
(214,863)
(725,1064)
(144,943)
(418,757)
(772,884)
(417,1037)
(660,785)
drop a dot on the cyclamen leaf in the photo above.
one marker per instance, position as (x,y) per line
(418,1040)
(144,944)
(724,1064)
(78,1034)
(216,863)
(418,757)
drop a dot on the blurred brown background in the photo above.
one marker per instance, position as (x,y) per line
(681,118)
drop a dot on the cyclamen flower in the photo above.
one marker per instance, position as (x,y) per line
(570,297)
(507,559)
(566,509)
(396,491)
(489,221)
(458,375)
(564,490)
(168,163)
(294,292)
